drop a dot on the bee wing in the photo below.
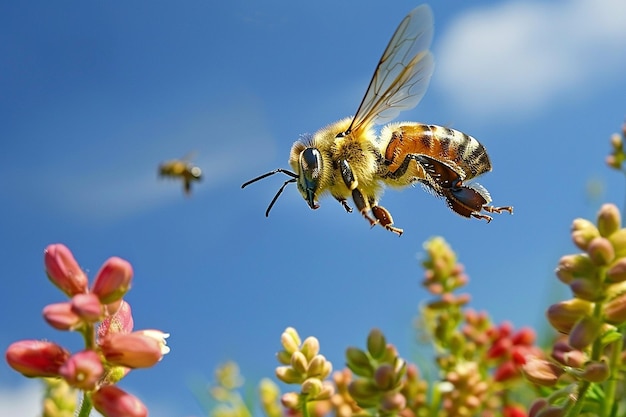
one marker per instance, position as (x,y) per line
(403,72)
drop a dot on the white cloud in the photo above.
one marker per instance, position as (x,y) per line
(518,57)
(21,401)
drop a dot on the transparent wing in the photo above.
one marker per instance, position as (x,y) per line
(403,72)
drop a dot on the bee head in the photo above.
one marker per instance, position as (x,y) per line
(310,166)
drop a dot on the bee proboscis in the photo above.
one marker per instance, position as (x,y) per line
(183,169)
(347,160)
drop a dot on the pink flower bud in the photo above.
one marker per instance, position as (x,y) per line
(575,266)
(585,332)
(87,307)
(617,271)
(113,280)
(61,317)
(541,372)
(35,358)
(568,356)
(111,401)
(63,270)
(615,310)
(82,370)
(565,314)
(120,322)
(134,350)
(601,251)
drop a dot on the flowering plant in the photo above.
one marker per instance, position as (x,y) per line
(482,368)
(104,320)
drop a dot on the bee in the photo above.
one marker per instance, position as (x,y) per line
(181,168)
(347,159)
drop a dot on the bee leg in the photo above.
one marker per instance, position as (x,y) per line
(363,206)
(381,215)
(344,203)
(385,220)
(492,209)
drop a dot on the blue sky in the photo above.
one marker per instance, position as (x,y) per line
(94,95)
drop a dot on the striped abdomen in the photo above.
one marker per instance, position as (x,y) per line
(406,140)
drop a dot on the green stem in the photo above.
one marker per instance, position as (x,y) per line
(578,403)
(611,384)
(305,408)
(85,406)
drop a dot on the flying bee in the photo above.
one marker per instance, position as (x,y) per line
(181,168)
(347,160)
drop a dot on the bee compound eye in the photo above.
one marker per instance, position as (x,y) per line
(311,163)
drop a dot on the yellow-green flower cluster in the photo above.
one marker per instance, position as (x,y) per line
(617,156)
(59,398)
(590,353)
(303,365)
(225,391)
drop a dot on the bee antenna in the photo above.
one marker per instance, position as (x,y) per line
(280,191)
(284,171)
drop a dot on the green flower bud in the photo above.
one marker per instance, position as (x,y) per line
(618,240)
(575,266)
(311,387)
(565,314)
(582,232)
(596,372)
(586,289)
(284,357)
(290,400)
(601,251)
(310,347)
(318,367)
(328,390)
(358,362)
(288,375)
(376,344)
(384,377)
(585,332)
(299,363)
(364,392)
(617,271)
(615,310)
(290,340)
(609,220)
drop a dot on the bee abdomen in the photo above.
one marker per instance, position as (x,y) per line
(442,143)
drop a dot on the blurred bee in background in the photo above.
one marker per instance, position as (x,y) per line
(183,169)
(347,160)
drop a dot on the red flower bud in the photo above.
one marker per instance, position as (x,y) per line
(113,280)
(82,370)
(120,322)
(35,358)
(61,317)
(111,401)
(140,349)
(87,307)
(63,270)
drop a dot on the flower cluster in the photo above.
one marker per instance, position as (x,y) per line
(588,357)
(303,364)
(100,314)
(617,156)
(480,361)
(380,371)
